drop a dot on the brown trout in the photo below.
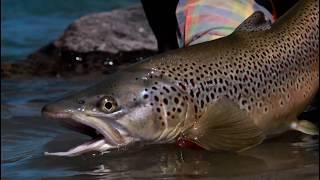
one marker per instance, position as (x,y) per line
(228,94)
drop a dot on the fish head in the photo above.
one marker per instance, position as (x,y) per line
(127,107)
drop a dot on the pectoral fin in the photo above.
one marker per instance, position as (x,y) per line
(225,127)
(305,126)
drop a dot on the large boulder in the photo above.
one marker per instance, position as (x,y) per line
(95,43)
(111,32)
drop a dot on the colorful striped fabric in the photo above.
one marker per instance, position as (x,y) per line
(205,20)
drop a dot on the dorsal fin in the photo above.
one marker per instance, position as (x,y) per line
(255,22)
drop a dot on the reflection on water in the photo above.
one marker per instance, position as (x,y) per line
(25,136)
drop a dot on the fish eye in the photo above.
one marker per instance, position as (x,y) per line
(108,104)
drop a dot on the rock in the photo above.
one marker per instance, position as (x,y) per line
(111,32)
(96,43)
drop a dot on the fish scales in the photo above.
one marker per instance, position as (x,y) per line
(267,73)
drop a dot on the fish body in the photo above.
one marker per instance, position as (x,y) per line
(227,94)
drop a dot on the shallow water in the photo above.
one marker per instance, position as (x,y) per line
(25,135)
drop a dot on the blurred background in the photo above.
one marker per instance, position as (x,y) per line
(27,25)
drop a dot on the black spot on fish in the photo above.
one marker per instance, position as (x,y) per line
(173,88)
(166,89)
(176,100)
(165,101)
(182,86)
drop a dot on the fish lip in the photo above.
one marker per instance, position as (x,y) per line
(110,133)
(77,121)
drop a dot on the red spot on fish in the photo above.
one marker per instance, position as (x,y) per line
(184,143)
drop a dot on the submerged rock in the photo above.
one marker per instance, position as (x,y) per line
(92,44)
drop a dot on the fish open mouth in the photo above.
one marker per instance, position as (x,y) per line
(105,135)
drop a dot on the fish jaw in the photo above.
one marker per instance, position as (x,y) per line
(106,136)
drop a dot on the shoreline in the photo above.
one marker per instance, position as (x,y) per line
(96,43)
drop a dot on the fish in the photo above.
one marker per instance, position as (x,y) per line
(229,94)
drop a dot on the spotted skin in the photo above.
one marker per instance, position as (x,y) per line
(271,74)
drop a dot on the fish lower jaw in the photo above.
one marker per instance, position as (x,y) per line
(105,136)
(96,145)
